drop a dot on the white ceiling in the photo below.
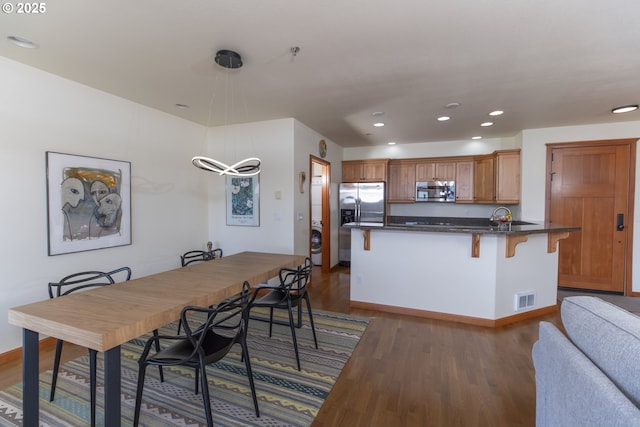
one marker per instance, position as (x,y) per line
(544,62)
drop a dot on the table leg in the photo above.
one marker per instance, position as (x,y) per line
(112,387)
(30,378)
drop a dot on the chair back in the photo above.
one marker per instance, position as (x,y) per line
(227,320)
(295,280)
(199,256)
(87,279)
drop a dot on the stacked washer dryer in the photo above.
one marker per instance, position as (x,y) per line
(316,220)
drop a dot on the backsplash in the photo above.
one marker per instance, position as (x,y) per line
(459,210)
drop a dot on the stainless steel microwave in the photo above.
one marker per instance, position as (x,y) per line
(436,191)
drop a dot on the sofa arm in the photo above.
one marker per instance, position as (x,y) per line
(571,390)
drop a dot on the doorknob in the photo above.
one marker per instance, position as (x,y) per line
(620,225)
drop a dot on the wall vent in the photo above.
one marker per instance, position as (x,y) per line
(525,300)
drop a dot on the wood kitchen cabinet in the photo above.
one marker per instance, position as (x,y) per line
(484,179)
(402,181)
(497,178)
(491,178)
(364,170)
(507,176)
(435,171)
(464,181)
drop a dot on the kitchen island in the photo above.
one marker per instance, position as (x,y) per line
(456,269)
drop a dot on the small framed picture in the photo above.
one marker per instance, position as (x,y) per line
(88,203)
(243,200)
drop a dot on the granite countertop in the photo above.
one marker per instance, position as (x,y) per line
(461,225)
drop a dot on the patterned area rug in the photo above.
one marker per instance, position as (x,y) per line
(286,396)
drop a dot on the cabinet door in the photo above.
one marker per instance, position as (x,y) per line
(351,171)
(508,177)
(434,171)
(483,180)
(464,181)
(445,171)
(402,182)
(374,170)
(425,171)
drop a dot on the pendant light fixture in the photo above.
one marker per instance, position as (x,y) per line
(247,167)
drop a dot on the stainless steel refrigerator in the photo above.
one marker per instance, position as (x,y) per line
(359,202)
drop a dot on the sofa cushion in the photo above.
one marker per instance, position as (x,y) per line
(609,336)
(571,390)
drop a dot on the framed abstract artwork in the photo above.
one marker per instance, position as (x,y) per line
(88,203)
(243,200)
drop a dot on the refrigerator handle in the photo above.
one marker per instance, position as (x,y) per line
(357,210)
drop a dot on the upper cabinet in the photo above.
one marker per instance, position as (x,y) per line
(435,171)
(508,176)
(364,170)
(490,178)
(497,178)
(402,181)
(484,179)
(464,181)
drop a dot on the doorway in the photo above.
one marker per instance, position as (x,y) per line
(320,224)
(590,184)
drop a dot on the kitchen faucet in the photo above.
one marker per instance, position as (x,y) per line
(502,220)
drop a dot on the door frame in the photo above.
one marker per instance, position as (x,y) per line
(326,210)
(631,143)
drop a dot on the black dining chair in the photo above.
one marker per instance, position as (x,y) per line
(191,257)
(223,326)
(74,283)
(287,295)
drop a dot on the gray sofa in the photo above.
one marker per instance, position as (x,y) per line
(593,377)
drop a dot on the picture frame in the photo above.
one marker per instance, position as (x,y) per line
(88,203)
(243,200)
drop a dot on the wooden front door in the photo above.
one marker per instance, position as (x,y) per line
(589,186)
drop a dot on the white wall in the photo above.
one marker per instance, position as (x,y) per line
(175,206)
(307,143)
(40,112)
(284,147)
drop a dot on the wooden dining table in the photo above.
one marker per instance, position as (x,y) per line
(104,318)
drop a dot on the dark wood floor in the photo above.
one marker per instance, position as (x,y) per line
(409,371)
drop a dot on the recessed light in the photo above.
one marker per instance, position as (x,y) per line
(625,109)
(485,124)
(443,118)
(378,125)
(378,113)
(496,113)
(22,42)
(476,137)
(182,106)
(391,143)
(452,105)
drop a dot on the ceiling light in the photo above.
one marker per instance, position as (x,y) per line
(485,124)
(391,143)
(182,106)
(443,118)
(496,113)
(378,125)
(476,137)
(378,113)
(19,41)
(452,105)
(625,109)
(247,167)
